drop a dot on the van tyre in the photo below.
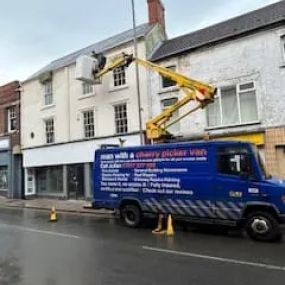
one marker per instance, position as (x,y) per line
(131,215)
(262,226)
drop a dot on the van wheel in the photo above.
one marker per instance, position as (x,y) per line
(131,215)
(262,226)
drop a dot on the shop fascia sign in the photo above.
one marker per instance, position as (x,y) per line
(4,144)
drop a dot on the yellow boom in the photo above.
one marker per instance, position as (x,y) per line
(201,93)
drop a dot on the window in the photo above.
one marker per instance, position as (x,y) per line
(283,47)
(234,105)
(233,161)
(119,75)
(49,126)
(48,97)
(49,180)
(88,120)
(3,178)
(165,104)
(30,181)
(166,82)
(11,119)
(87,88)
(121,120)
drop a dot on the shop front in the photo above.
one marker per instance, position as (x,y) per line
(10,170)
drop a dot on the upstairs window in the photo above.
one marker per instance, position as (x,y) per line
(88,120)
(283,47)
(166,82)
(11,119)
(234,105)
(49,130)
(119,75)
(87,88)
(166,103)
(121,118)
(48,96)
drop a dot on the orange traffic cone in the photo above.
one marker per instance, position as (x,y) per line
(169,230)
(53,215)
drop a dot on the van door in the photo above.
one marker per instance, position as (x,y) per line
(194,194)
(231,183)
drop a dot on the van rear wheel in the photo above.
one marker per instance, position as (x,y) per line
(262,226)
(131,215)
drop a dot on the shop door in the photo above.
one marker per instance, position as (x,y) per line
(75,181)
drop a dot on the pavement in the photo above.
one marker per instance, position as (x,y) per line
(94,249)
(75,206)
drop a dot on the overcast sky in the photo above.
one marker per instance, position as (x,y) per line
(35,32)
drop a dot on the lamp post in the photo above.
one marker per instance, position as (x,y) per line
(137,74)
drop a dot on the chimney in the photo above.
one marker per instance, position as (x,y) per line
(156,12)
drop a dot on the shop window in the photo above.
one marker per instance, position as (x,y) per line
(3,178)
(49,180)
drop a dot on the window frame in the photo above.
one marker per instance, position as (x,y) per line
(172,67)
(87,88)
(48,93)
(4,169)
(49,135)
(176,127)
(123,121)
(282,46)
(238,94)
(9,118)
(85,127)
(119,77)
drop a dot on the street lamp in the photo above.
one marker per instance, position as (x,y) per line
(137,74)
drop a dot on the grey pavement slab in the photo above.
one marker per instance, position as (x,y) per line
(77,206)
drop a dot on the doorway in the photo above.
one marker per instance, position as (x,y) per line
(280,153)
(75,183)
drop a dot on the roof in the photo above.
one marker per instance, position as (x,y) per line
(259,19)
(101,46)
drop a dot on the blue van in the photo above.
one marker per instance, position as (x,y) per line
(217,182)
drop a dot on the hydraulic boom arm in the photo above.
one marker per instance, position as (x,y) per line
(201,93)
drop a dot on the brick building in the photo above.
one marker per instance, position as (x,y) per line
(10,150)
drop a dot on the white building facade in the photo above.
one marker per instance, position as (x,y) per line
(244,58)
(64,120)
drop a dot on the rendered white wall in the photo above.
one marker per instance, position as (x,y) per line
(256,57)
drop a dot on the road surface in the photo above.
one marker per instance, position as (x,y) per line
(97,250)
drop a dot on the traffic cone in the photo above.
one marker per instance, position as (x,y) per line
(169,230)
(53,215)
(159,228)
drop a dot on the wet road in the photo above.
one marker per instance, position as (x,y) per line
(96,250)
